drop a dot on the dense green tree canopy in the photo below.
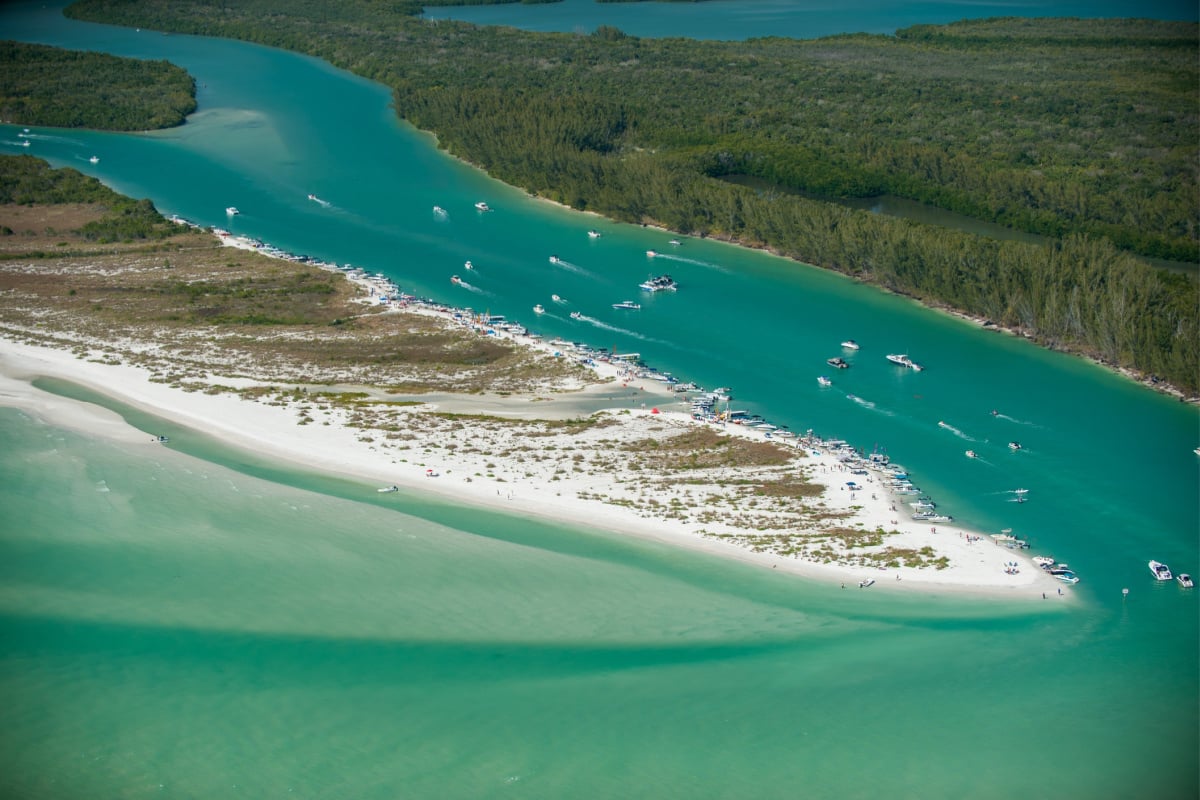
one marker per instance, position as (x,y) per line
(1081,130)
(42,85)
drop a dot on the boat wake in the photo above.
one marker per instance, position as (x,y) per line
(696,261)
(956,431)
(320,202)
(1007,418)
(870,405)
(561,301)
(605,326)
(569,267)
(471,288)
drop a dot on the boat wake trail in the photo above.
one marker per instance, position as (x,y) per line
(1007,418)
(956,431)
(471,288)
(569,267)
(869,405)
(560,300)
(605,326)
(320,202)
(696,261)
(46,137)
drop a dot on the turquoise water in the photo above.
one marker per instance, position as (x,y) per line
(186,621)
(733,20)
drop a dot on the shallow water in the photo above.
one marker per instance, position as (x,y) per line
(187,620)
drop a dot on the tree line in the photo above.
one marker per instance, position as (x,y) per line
(42,85)
(1080,130)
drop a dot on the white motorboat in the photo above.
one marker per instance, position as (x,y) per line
(1185,580)
(556,298)
(232,211)
(838,362)
(576,315)
(1014,446)
(901,360)
(850,344)
(650,254)
(1066,576)
(441,212)
(661,283)
(972,454)
(1160,571)
(554,259)
(538,309)
(674,242)
(824,381)
(1045,562)
(628,305)
(94,159)
(594,234)
(455,280)
(865,583)
(388,489)
(482,206)
(468,265)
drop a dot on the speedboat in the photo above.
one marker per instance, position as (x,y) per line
(556,298)
(594,234)
(901,360)
(538,309)
(650,254)
(468,265)
(1014,445)
(388,489)
(1160,571)
(838,362)
(94,159)
(850,344)
(865,583)
(232,211)
(824,381)
(1185,580)
(972,454)
(627,304)
(1045,562)
(455,280)
(554,259)
(576,315)
(436,209)
(482,206)
(662,283)
(1066,576)
(674,242)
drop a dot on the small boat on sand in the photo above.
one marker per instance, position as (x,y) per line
(865,583)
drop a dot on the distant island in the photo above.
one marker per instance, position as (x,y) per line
(1083,131)
(41,85)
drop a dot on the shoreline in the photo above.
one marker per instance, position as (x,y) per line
(465,448)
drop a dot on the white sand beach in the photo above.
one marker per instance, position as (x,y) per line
(525,456)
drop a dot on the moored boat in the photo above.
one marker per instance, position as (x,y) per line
(1160,571)
(232,211)
(1185,580)
(901,360)
(627,305)
(661,283)
(838,362)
